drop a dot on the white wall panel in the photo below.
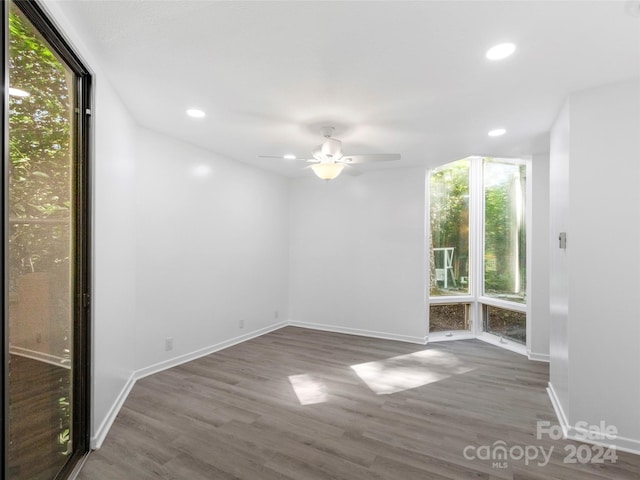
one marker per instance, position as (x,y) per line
(212,248)
(595,173)
(358,253)
(604,262)
(539,316)
(559,266)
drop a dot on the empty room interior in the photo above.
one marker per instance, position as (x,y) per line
(321,240)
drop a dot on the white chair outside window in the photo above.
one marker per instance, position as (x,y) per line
(446,270)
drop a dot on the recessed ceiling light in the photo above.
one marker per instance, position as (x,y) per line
(201,170)
(16,92)
(497,132)
(498,52)
(289,157)
(195,113)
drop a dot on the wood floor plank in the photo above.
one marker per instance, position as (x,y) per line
(299,404)
(36,419)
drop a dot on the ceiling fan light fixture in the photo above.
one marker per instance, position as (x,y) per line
(327,171)
(328,160)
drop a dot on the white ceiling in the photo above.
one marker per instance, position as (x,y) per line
(391,76)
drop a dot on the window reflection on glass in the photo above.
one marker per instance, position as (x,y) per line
(449,317)
(41,239)
(505,262)
(505,323)
(449,232)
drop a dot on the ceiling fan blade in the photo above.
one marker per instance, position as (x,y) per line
(370,158)
(288,158)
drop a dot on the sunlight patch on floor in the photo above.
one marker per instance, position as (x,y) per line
(308,389)
(409,371)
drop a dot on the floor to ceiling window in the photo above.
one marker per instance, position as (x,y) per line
(45,180)
(478,250)
(504,280)
(450,214)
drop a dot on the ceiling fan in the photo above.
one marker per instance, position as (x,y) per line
(328,160)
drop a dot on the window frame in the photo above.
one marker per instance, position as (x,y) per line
(476,297)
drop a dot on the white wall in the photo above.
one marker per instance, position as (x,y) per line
(358,254)
(559,265)
(539,315)
(212,249)
(114,251)
(114,291)
(178,251)
(185,254)
(602,325)
(604,341)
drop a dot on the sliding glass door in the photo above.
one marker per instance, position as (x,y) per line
(46,250)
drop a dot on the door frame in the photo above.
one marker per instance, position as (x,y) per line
(81,361)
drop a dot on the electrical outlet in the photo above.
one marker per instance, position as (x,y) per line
(241,323)
(276,314)
(168,344)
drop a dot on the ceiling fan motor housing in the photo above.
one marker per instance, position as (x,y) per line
(331,148)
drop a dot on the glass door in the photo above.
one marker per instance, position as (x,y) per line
(46,251)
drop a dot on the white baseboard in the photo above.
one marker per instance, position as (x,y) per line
(571,432)
(621,443)
(539,357)
(203,352)
(101,432)
(557,408)
(359,332)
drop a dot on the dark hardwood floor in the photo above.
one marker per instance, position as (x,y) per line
(36,418)
(301,404)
